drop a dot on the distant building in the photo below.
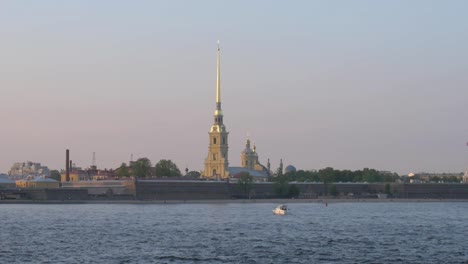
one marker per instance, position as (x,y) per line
(75,175)
(37,182)
(465,177)
(90,174)
(98,175)
(250,164)
(6,183)
(290,168)
(21,169)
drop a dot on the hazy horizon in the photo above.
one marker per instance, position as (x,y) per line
(342,84)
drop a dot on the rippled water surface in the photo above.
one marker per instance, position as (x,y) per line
(235,233)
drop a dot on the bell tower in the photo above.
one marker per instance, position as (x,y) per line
(216,164)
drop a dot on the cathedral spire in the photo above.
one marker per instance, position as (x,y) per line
(216,163)
(218,81)
(218,115)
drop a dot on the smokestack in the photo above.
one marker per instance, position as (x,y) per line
(67,165)
(71,165)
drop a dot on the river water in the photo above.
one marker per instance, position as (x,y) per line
(235,233)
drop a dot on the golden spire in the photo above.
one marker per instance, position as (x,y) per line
(218,79)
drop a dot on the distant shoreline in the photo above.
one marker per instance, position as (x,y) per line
(234,201)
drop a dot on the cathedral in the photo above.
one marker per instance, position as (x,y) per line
(217,163)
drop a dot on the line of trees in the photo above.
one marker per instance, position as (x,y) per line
(329,175)
(281,187)
(143,168)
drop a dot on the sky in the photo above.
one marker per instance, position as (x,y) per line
(345,84)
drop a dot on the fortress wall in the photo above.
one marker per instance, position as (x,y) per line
(56,194)
(195,190)
(439,190)
(177,190)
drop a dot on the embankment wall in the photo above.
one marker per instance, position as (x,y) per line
(193,190)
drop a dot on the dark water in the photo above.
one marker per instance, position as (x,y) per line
(235,233)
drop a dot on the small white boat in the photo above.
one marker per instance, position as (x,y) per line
(280,210)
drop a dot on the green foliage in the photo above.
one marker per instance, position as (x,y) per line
(453,179)
(370,175)
(327,175)
(436,179)
(142,168)
(279,172)
(387,189)
(330,175)
(123,171)
(245,183)
(282,188)
(193,174)
(167,168)
(333,191)
(55,174)
(293,191)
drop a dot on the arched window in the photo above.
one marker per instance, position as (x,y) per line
(214,156)
(224,140)
(214,140)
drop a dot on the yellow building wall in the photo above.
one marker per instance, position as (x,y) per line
(34,184)
(74,177)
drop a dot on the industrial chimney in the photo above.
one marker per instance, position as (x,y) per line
(67,165)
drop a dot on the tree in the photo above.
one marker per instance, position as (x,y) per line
(245,183)
(333,190)
(193,174)
(281,189)
(55,174)
(142,168)
(293,191)
(327,175)
(387,189)
(281,186)
(166,168)
(279,172)
(122,171)
(370,175)
(436,179)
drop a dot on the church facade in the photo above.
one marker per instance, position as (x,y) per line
(217,162)
(250,164)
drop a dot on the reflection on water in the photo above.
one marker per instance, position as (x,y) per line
(234,233)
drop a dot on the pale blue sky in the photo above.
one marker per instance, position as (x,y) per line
(347,84)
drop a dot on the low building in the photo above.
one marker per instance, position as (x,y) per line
(37,182)
(257,176)
(102,175)
(6,183)
(75,176)
(88,174)
(104,187)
